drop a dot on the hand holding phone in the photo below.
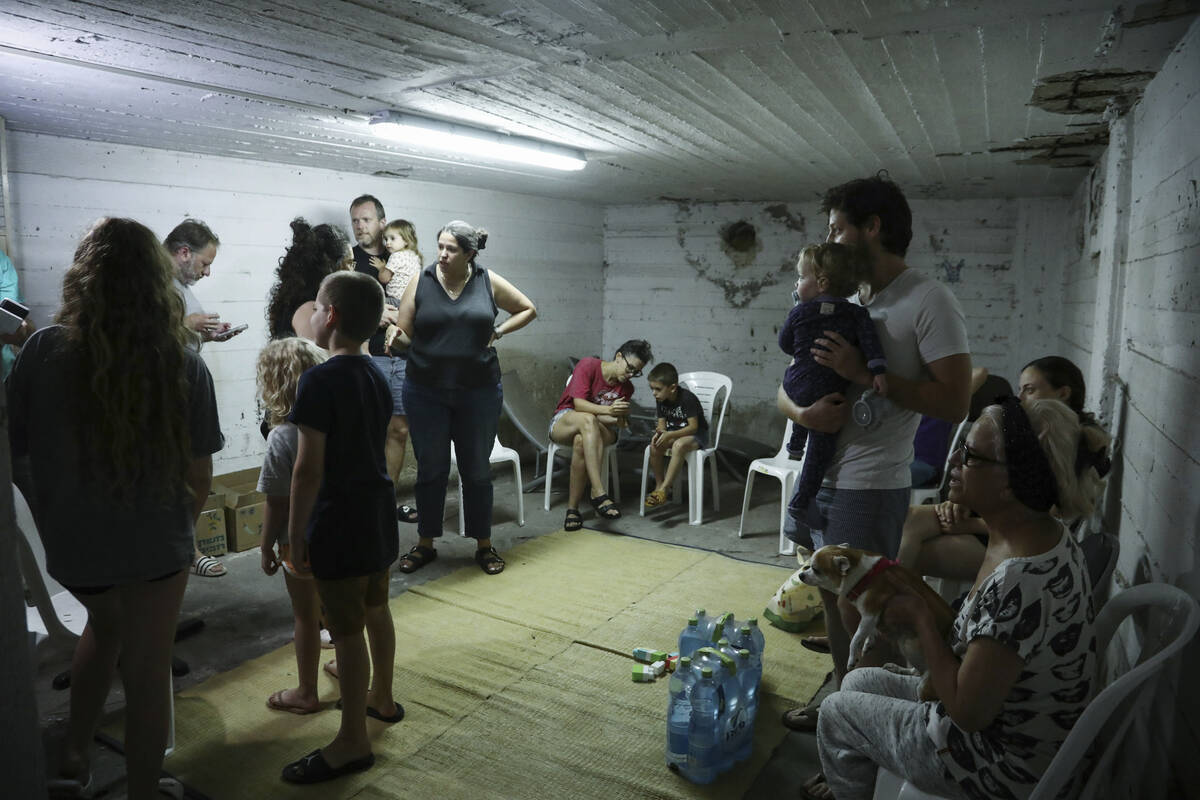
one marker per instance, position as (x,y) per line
(12,314)
(229,333)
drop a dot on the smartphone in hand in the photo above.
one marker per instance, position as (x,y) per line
(12,314)
(225,336)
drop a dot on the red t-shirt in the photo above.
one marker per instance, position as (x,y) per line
(587,383)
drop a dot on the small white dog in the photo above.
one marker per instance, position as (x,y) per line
(849,572)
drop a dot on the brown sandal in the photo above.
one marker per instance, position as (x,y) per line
(416,558)
(489,560)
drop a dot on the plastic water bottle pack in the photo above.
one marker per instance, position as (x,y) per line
(713,696)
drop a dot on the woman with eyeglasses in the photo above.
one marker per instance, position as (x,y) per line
(594,404)
(1019,666)
(946,540)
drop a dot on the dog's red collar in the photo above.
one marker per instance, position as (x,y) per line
(881,565)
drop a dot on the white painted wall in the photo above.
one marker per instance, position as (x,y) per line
(1132,316)
(669,281)
(551,249)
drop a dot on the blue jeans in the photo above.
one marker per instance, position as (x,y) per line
(466,417)
(870,519)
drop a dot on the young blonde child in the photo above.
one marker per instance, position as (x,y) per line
(681,428)
(400,239)
(828,274)
(280,365)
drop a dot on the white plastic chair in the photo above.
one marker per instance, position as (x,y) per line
(1123,705)
(55,621)
(934,493)
(786,471)
(707,386)
(499,455)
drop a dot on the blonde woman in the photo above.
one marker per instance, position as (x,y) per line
(119,421)
(1019,666)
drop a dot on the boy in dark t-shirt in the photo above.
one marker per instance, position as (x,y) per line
(342,515)
(681,429)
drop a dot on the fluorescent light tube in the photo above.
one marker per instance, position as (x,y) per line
(445,136)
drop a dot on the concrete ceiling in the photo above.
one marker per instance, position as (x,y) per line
(699,99)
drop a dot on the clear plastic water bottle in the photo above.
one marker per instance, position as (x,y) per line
(679,713)
(703,731)
(729,693)
(750,681)
(735,722)
(716,628)
(692,636)
(746,638)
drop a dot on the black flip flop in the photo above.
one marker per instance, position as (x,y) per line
(574,520)
(603,511)
(406,513)
(313,768)
(817,644)
(373,713)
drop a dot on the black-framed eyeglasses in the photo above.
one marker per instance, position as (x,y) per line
(633,373)
(974,458)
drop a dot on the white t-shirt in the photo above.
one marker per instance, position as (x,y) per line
(190,306)
(919,321)
(275,479)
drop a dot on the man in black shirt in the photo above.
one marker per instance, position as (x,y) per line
(367,219)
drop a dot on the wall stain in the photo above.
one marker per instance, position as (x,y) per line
(740,244)
(780,212)
(935,243)
(952,270)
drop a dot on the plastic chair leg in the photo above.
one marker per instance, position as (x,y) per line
(786,546)
(551,450)
(516,462)
(645,476)
(746,502)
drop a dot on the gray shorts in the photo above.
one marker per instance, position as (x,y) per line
(394,369)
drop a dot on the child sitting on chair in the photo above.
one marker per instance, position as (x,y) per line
(681,429)
(280,365)
(828,275)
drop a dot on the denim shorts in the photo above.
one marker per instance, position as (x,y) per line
(394,370)
(557,416)
(870,519)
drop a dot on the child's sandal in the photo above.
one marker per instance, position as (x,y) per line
(656,498)
(574,520)
(605,507)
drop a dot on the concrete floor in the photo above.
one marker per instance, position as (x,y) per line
(246,614)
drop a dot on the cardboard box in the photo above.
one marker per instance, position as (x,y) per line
(210,528)
(245,508)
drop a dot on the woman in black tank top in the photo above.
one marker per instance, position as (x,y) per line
(452,391)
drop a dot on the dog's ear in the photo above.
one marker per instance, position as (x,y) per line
(842,564)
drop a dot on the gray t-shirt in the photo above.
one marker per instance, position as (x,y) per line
(275,479)
(90,538)
(190,306)
(919,321)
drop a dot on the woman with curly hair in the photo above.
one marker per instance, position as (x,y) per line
(315,252)
(118,420)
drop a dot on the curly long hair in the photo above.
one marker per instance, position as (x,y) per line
(280,365)
(123,318)
(314,253)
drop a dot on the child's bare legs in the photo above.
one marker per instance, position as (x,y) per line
(663,481)
(306,611)
(382,636)
(345,610)
(136,621)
